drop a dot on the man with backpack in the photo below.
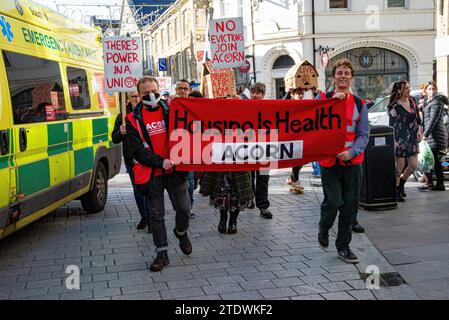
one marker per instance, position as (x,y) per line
(341,177)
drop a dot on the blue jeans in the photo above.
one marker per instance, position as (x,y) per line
(191,178)
(141,200)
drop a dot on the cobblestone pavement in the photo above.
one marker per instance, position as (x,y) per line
(266,259)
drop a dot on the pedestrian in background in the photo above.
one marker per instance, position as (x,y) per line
(341,177)
(435,133)
(404,118)
(260,179)
(293,180)
(183,90)
(118,136)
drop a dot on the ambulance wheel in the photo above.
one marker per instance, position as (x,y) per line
(95,200)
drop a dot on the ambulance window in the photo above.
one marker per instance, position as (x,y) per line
(78,88)
(35,86)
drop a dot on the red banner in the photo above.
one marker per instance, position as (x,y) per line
(241,135)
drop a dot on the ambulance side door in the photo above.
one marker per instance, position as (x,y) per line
(40,131)
(7,164)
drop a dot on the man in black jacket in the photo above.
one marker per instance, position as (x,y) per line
(118,136)
(148,139)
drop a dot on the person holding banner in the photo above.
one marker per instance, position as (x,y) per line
(154,171)
(260,179)
(342,176)
(118,136)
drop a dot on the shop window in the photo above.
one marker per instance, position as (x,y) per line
(78,88)
(35,88)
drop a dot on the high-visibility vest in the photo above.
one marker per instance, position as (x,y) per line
(352,118)
(155,125)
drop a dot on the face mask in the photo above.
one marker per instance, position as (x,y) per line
(151,101)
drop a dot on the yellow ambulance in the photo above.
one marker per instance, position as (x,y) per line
(55,117)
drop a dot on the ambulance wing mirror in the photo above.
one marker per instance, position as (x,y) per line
(4,144)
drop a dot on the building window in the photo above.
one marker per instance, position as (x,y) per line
(162,40)
(168,34)
(338,4)
(36,89)
(283,62)
(175,30)
(396,3)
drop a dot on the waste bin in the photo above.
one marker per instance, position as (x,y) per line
(379,171)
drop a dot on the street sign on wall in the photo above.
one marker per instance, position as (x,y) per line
(162,63)
(227,43)
(122,63)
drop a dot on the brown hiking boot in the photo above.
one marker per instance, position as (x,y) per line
(184,242)
(160,262)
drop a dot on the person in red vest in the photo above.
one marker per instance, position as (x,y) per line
(341,177)
(154,172)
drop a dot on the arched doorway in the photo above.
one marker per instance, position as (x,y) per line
(280,67)
(376,70)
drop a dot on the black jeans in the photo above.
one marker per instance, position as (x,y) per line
(178,192)
(295,173)
(438,168)
(260,188)
(341,186)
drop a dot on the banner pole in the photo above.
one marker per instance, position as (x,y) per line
(123,107)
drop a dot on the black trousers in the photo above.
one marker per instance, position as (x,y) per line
(260,188)
(295,173)
(438,168)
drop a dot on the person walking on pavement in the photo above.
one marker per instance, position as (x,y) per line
(435,132)
(260,179)
(293,180)
(404,118)
(183,91)
(147,128)
(342,176)
(118,136)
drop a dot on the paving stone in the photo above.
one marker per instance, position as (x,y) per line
(225,279)
(139,296)
(309,289)
(222,288)
(257,285)
(336,286)
(105,277)
(28,293)
(277,293)
(288,282)
(308,297)
(337,296)
(182,293)
(259,276)
(43,283)
(315,279)
(244,295)
(76,295)
(362,294)
(343,276)
(110,292)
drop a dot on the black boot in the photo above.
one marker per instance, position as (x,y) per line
(160,262)
(222,222)
(401,187)
(399,197)
(233,222)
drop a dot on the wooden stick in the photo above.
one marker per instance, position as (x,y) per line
(123,107)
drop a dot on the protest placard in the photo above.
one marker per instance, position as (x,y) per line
(227,43)
(164,84)
(122,63)
(219,83)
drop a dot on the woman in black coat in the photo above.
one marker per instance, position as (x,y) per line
(435,132)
